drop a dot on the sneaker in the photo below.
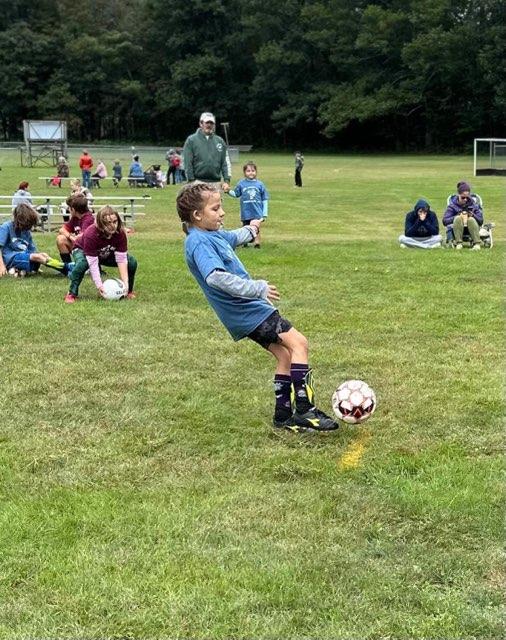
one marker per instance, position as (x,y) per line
(283,422)
(70,298)
(458,245)
(13,272)
(476,247)
(314,420)
(21,273)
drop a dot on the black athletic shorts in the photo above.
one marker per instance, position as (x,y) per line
(268,331)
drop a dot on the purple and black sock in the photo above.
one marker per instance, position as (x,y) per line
(304,395)
(282,390)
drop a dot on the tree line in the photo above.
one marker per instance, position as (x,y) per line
(384,74)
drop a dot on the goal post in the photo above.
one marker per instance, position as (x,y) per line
(490,156)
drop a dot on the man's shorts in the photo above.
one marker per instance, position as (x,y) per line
(268,331)
(21,261)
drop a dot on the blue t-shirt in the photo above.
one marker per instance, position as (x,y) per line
(12,242)
(136,170)
(206,251)
(252,194)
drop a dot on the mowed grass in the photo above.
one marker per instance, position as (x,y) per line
(143,491)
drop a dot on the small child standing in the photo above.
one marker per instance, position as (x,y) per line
(18,253)
(245,306)
(254,198)
(117,173)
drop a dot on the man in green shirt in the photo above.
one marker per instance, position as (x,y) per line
(205,154)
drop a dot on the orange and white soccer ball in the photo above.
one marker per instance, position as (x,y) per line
(354,401)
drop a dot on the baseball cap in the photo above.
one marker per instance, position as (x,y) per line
(207,117)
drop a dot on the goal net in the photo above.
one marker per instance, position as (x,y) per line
(490,157)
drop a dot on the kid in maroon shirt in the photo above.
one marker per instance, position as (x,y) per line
(103,243)
(80,219)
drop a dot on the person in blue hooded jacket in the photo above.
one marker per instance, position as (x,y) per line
(421,228)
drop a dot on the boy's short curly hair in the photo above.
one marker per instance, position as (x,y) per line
(192,197)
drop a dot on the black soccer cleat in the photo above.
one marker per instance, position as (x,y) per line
(313,420)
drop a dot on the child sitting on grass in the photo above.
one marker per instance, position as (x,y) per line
(18,253)
(254,198)
(245,306)
(103,243)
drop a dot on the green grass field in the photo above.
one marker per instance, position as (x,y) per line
(143,492)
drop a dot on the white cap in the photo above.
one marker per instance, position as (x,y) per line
(207,117)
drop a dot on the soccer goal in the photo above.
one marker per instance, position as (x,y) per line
(490,156)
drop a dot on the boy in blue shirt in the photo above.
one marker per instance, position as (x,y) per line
(254,198)
(245,306)
(18,253)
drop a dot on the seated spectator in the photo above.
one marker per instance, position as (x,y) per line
(150,177)
(136,171)
(160,176)
(421,228)
(99,174)
(464,213)
(117,173)
(62,168)
(80,219)
(18,253)
(76,189)
(22,195)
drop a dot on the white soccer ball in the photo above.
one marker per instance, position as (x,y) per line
(354,401)
(114,289)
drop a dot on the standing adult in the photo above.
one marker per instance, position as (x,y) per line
(205,154)
(85,164)
(299,165)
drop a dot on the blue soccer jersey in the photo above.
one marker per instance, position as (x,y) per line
(12,242)
(206,251)
(254,197)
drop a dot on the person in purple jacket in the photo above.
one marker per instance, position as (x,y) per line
(463,212)
(421,228)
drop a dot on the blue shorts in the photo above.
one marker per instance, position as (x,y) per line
(21,261)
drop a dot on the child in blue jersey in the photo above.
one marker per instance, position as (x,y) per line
(18,254)
(254,198)
(245,306)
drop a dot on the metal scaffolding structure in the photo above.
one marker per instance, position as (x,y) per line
(45,142)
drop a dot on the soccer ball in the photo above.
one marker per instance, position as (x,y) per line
(354,401)
(114,289)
